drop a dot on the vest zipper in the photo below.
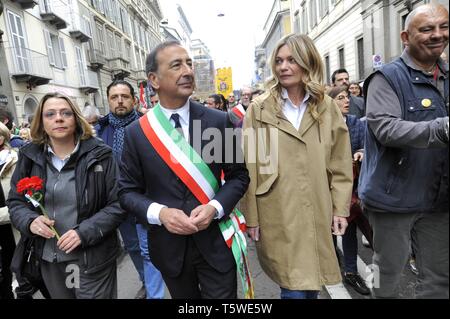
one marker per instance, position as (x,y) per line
(394,179)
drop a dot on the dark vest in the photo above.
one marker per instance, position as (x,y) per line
(407,179)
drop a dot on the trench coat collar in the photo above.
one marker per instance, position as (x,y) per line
(274,116)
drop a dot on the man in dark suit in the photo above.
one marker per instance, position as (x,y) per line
(187,244)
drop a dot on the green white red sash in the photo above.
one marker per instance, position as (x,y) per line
(184,161)
(239,111)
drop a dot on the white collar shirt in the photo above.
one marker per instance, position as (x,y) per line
(184,114)
(294,113)
(59,163)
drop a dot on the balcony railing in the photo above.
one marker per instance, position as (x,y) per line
(29,66)
(89,81)
(96,59)
(26,4)
(80,29)
(53,12)
(120,67)
(139,75)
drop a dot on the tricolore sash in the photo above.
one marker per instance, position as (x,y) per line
(184,161)
(239,111)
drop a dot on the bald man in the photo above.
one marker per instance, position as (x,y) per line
(404,176)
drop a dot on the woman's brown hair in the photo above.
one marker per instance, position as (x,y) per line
(83,129)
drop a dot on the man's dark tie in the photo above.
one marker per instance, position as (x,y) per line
(176,118)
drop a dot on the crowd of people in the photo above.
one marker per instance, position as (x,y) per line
(316,162)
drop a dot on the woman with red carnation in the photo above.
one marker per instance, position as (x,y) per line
(72,175)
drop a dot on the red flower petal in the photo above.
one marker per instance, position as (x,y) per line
(22,185)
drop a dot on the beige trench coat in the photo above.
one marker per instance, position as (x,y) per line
(294,200)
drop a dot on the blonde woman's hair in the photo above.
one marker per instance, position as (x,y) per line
(4,131)
(308,58)
(27,132)
(83,129)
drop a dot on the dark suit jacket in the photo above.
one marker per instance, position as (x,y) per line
(145,178)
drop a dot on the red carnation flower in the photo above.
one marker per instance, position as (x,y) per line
(32,187)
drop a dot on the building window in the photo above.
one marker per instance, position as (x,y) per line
(101,38)
(341,58)
(323,8)
(111,44)
(138,59)
(327,69)
(360,48)
(87,24)
(124,20)
(81,66)
(119,45)
(313,13)
(304,21)
(297,22)
(19,41)
(127,51)
(101,7)
(56,50)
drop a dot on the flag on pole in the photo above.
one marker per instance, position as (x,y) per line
(142,97)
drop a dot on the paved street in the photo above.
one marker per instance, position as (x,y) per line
(264,287)
(129,284)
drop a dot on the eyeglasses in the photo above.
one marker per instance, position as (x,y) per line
(67,114)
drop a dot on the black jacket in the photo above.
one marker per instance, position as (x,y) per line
(99,211)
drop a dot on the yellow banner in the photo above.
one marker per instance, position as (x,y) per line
(224,81)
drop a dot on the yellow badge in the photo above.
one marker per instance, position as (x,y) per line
(426,103)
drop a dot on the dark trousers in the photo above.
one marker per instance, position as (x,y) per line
(131,242)
(7,245)
(198,280)
(349,248)
(63,281)
(393,234)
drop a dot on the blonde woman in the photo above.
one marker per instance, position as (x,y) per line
(301,178)
(80,188)
(25,134)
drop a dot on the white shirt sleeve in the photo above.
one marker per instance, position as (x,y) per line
(218,207)
(153,213)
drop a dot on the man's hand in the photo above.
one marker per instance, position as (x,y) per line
(41,227)
(339,225)
(69,241)
(358,156)
(202,216)
(177,222)
(253,232)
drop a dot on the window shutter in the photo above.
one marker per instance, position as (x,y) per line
(63,53)
(51,53)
